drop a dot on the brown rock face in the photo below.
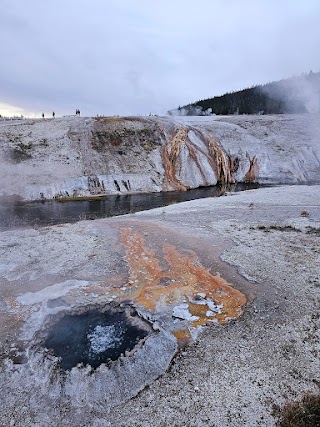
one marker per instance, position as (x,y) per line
(201,152)
(251,175)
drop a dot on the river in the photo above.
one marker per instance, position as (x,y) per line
(15,213)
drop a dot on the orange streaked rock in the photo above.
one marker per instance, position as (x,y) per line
(222,161)
(251,175)
(182,335)
(208,297)
(178,140)
(170,154)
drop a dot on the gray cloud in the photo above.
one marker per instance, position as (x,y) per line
(139,57)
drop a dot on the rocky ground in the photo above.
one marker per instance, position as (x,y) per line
(263,244)
(74,157)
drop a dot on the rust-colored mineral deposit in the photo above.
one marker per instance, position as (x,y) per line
(185,286)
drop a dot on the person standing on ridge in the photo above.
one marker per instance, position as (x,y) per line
(43,115)
(53,114)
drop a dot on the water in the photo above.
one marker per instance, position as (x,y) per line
(93,338)
(15,213)
(103,338)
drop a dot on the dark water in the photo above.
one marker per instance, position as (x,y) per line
(18,214)
(92,338)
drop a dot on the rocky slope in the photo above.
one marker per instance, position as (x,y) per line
(83,157)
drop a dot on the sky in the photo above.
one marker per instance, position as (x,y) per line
(136,57)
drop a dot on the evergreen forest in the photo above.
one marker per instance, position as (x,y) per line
(300,94)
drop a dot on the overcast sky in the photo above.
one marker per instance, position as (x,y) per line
(140,56)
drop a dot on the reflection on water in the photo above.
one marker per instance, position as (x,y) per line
(15,213)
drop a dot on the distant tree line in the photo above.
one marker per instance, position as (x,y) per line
(294,95)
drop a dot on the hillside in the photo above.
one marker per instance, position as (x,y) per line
(72,157)
(294,95)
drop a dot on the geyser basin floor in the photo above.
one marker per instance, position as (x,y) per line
(93,337)
(232,376)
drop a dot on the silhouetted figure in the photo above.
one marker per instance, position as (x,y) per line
(43,115)
(53,114)
(78,112)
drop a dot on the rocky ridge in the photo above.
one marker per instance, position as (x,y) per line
(84,157)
